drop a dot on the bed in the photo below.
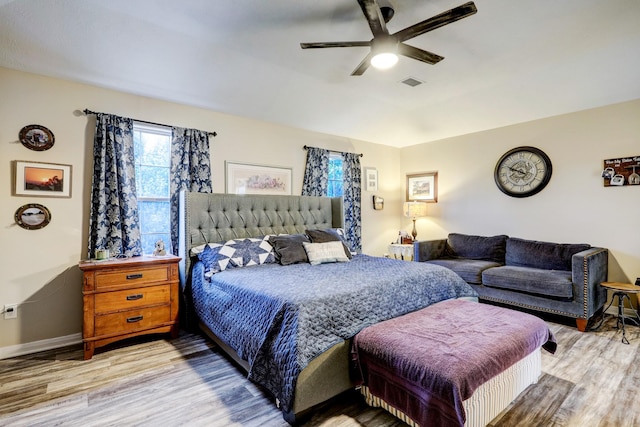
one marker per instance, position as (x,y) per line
(290,327)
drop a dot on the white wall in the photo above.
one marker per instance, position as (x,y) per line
(38,268)
(574,207)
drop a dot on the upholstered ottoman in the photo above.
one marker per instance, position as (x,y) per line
(453,363)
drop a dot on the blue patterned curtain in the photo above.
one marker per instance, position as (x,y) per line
(352,196)
(316,173)
(114,223)
(316,178)
(190,170)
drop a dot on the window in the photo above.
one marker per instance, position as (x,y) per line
(335,188)
(152,151)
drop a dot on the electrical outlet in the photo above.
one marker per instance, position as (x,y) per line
(11,311)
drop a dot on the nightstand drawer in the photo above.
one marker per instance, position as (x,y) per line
(132,320)
(132,277)
(108,302)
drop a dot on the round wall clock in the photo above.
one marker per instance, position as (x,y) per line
(36,137)
(32,216)
(523,171)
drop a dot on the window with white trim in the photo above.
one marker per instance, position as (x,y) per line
(152,152)
(335,187)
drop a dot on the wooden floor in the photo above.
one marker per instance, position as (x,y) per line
(592,380)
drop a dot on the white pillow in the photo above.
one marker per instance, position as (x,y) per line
(320,253)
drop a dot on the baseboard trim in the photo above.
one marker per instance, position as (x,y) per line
(42,345)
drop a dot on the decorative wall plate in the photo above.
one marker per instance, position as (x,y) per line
(36,137)
(32,216)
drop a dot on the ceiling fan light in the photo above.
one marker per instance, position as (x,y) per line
(384,60)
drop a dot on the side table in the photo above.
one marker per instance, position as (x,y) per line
(401,251)
(622,291)
(128,297)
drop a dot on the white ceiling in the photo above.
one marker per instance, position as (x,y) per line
(513,61)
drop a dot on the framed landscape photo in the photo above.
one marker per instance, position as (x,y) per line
(242,178)
(41,179)
(32,216)
(422,187)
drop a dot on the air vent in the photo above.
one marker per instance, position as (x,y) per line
(410,81)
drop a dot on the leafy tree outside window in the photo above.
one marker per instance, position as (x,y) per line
(152,151)
(336,175)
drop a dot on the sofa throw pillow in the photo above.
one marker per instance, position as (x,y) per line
(215,257)
(321,253)
(485,248)
(544,255)
(288,248)
(329,235)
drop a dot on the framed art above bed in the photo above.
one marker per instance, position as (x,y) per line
(244,178)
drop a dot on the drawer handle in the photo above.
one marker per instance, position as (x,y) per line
(134,319)
(134,276)
(134,297)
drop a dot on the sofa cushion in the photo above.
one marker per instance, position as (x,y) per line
(548,283)
(544,255)
(477,247)
(469,270)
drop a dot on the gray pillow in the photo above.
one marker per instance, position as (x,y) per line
(321,253)
(328,235)
(477,247)
(544,255)
(288,248)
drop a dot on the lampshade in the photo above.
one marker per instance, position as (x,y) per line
(415,209)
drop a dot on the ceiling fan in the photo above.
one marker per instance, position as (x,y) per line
(387,44)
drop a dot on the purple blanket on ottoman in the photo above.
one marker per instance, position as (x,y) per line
(427,362)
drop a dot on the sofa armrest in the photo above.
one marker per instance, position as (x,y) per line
(589,269)
(425,250)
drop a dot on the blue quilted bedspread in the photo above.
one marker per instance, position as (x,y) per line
(279,318)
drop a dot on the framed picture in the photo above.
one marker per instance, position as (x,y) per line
(36,137)
(245,178)
(32,216)
(371,179)
(41,179)
(422,187)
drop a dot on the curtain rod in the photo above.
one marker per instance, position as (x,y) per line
(87,112)
(331,151)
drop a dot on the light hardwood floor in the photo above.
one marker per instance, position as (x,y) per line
(592,380)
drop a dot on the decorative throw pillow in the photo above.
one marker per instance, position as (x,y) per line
(329,235)
(215,257)
(288,248)
(250,251)
(320,253)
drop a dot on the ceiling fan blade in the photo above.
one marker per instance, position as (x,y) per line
(363,66)
(374,17)
(419,54)
(437,21)
(318,45)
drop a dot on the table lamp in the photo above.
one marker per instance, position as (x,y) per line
(414,210)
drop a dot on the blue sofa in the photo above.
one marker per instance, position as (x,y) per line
(563,279)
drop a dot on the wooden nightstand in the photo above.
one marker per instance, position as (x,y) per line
(128,297)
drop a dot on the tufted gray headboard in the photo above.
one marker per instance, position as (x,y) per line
(210,218)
